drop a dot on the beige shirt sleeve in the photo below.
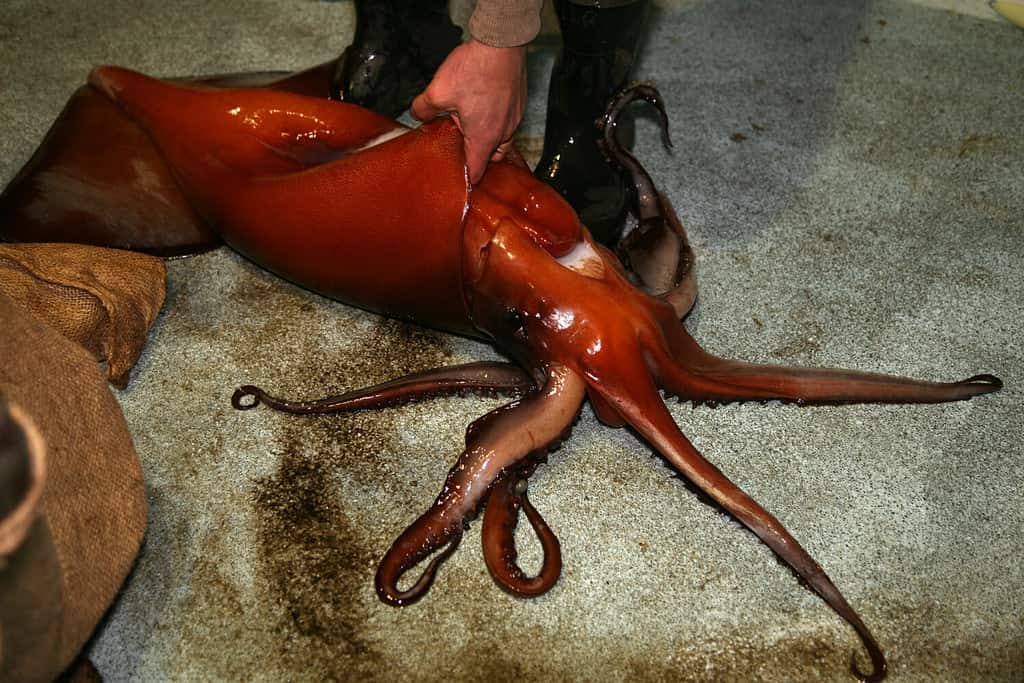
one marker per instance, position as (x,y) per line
(505,23)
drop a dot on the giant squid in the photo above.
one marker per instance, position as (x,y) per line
(303,186)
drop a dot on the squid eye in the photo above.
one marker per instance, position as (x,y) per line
(515,322)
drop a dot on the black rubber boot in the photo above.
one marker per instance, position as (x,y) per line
(397,47)
(599,46)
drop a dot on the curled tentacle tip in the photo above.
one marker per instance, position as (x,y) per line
(247,391)
(990,381)
(396,598)
(389,573)
(390,594)
(880,669)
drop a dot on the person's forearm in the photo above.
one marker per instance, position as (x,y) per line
(505,23)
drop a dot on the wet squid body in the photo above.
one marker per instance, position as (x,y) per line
(359,208)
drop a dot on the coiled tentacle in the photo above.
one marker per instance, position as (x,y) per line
(498,535)
(498,441)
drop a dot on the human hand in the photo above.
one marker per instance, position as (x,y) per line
(484,90)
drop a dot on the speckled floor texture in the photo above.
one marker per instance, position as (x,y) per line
(852,177)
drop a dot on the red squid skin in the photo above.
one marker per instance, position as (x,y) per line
(240,157)
(98,179)
(352,205)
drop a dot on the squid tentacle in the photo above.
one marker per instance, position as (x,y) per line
(646,412)
(482,377)
(498,535)
(664,260)
(500,440)
(657,250)
(649,208)
(704,377)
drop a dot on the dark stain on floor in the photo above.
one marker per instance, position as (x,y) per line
(393,349)
(317,563)
(313,558)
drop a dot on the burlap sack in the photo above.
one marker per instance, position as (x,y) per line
(76,551)
(103,299)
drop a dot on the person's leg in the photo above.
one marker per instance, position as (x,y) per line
(599,47)
(397,47)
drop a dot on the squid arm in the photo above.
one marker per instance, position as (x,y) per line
(495,444)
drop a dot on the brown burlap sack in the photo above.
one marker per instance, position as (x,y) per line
(76,550)
(103,299)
